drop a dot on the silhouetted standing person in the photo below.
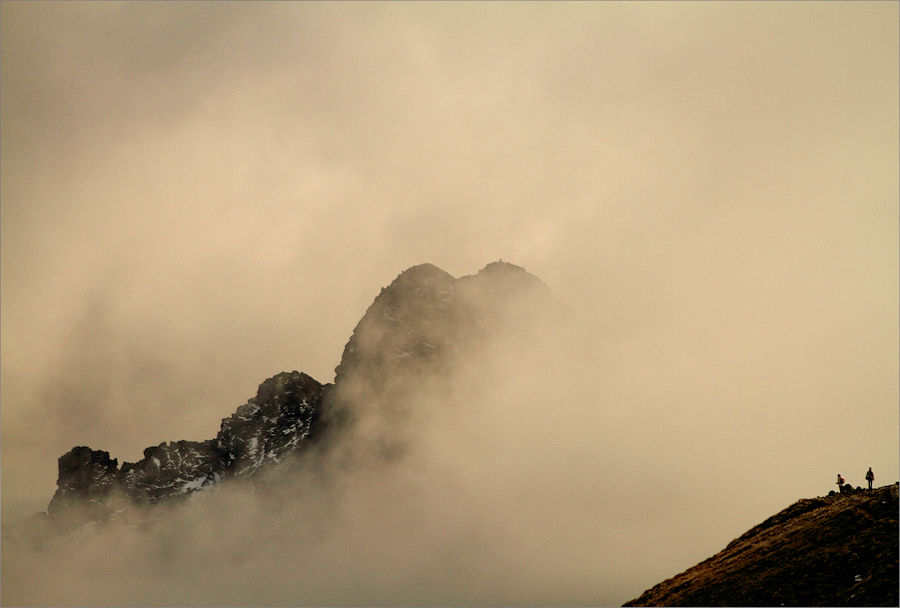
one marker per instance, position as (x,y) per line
(870,477)
(840,483)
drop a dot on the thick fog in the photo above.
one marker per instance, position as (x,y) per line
(196,197)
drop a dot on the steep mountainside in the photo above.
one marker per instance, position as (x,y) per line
(419,329)
(839,550)
(414,331)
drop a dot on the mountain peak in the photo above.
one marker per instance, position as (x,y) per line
(508,279)
(424,270)
(412,332)
(501,266)
(418,328)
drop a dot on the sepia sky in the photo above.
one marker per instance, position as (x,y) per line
(197,196)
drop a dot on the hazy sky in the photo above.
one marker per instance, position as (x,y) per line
(197,196)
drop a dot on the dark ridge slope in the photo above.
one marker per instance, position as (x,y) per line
(419,329)
(838,550)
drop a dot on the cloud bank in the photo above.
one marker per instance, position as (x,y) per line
(196,197)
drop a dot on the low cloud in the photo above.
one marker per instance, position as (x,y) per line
(197,197)
(505,494)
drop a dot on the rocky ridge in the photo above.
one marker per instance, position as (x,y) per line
(416,327)
(837,550)
(270,427)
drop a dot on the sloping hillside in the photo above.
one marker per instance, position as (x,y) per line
(838,550)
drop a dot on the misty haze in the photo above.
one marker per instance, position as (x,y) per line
(455,304)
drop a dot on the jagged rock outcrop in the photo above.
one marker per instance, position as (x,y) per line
(838,550)
(85,475)
(416,329)
(271,427)
(171,469)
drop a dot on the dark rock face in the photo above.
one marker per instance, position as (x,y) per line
(415,329)
(171,469)
(839,550)
(426,316)
(412,310)
(267,429)
(84,474)
(270,426)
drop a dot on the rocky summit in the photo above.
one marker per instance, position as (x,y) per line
(837,550)
(416,328)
